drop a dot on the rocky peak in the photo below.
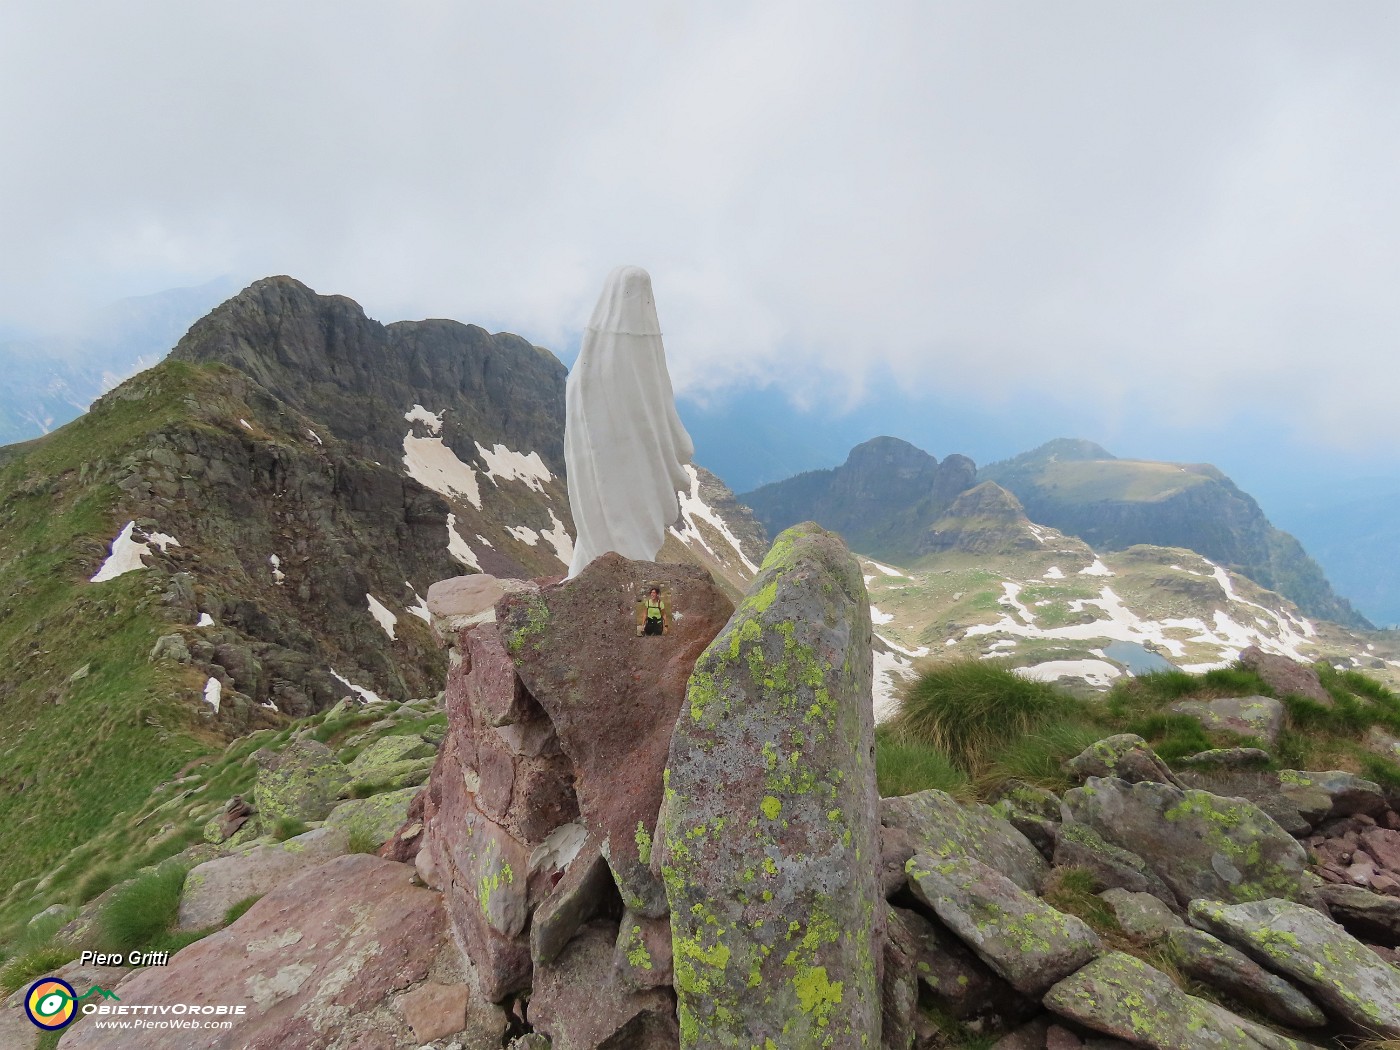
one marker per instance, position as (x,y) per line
(885,494)
(323,356)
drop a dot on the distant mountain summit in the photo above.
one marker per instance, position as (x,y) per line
(1112,504)
(881,499)
(894,501)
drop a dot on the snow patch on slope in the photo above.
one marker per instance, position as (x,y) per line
(382,615)
(1095,672)
(433,465)
(420,607)
(457,547)
(127,552)
(369,696)
(504,465)
(213,693)
(694,510)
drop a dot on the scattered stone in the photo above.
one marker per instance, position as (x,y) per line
(1286,677)
(316,960)
(216,885)
(1141,916)
(1025,940)
(1124,997)
(1344,975)
(303,781)
(1260,717)
(1229,758)
(1112,867)
(613,696)
(434,1010)
(1199,844)
(768,839)
(1126,756)
(941,827)
(1334,793)
(1214,963)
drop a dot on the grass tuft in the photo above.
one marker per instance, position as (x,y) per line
(237,910)
(904,766)
(141,915)
(969,709)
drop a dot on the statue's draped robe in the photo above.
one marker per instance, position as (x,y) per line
(625,449)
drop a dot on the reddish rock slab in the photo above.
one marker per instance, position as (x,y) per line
(435,1010)
(578,1007)
(612,695)
(1286,677)
(507,744)
(312,963)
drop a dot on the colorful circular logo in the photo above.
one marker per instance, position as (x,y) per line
(51,1003)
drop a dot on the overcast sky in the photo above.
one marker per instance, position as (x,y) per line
(1186,205)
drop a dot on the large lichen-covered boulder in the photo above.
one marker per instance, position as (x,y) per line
(1124,997)
(302,781)
(1199,844)
(1110,866)
(940,826)
(373,819)
(768,838)
(1029,943)
(1344,976)
(613,695)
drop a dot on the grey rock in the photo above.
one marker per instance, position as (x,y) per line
(953,979)
(1214,963)
(940,826)
(1080,846)
(216,885)
(1125,756)
(1229,757)
(1248,716)
(1125,998)
(167,647)
(582,894)
(1286,677)
(578,1008)
(1330,794)
(1199,844)
(1345,976)
(1029,943)
(769,832)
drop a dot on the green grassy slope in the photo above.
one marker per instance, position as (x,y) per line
(80,751)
